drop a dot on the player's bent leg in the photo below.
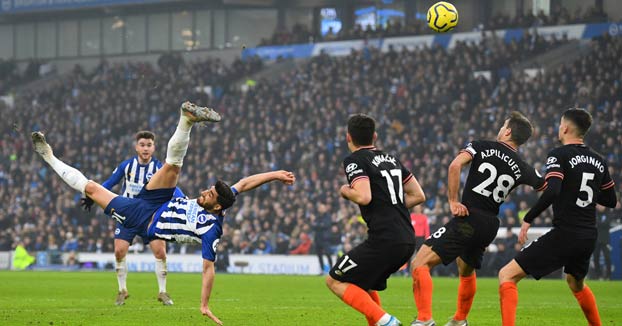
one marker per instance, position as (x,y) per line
(423,287)
(100,195)
(158,247)
(120,252)
(165,177)
(509,275)
(361,300)
(426,257)
(466,293)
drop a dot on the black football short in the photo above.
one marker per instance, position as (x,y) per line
(554,250)
(465,237)
(369,265)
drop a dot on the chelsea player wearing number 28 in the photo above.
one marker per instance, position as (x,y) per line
(496,169)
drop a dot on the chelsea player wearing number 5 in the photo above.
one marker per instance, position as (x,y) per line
(496,169)
(578,179)
(384,191)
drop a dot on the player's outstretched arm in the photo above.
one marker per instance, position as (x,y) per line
(453,184)
(256,180)
(554,187)
(413,193)
(206,289)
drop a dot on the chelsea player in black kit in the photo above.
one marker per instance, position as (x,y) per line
(578,179)
(496,169)
(384,190)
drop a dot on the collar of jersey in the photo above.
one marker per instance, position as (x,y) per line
(508,146)
(367,147)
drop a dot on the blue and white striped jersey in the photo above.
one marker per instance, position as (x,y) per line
(133,174)
(184,220)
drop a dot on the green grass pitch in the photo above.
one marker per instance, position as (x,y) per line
(87,298)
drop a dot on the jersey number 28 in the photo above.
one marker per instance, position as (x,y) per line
(504,183)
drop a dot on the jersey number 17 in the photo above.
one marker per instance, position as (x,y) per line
(388,175)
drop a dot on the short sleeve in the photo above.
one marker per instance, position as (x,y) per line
(406,175)
(471,148)
(554,167)
(209,243)
(354,170)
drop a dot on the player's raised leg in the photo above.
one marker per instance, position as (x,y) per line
(362,301)
(167,176)
(70,175)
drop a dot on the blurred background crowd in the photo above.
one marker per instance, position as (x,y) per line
(559,15)
(428,104)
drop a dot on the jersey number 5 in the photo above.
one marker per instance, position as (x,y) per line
(587,189)
(396,173)
(504,183)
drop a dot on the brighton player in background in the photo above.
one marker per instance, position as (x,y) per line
(156,210)
(135,172)
(578,179)
(384,190)
(496,169)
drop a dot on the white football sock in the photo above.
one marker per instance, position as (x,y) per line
(121,269)
(178,144)
(74,178)
(160,270)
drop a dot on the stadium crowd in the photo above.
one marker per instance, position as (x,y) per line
(559,15)
(428,104)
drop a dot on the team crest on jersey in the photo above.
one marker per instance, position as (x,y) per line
(117,231)
(148,176)
(202,218)
(351,167)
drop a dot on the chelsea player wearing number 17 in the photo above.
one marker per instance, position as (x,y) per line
(578,179)
(157,211)
(135,172)
(384,190)
(496,169)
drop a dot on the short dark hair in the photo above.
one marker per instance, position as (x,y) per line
(580,118)
(225,198)
(361,128)
(145,134)
(521,127)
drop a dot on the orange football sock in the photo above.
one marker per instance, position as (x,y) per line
(374,296)
(466,293)
(508,296)
(587,301)
(422,291)
(360,300)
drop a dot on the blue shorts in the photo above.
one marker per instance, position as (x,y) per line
(137,212)
(128,234)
